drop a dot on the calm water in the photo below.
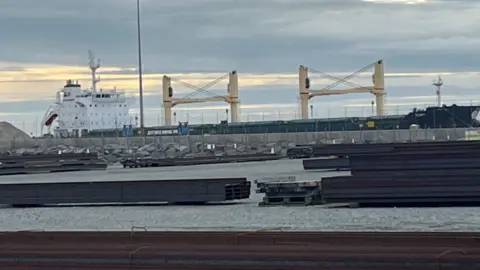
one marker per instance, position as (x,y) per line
(244,216)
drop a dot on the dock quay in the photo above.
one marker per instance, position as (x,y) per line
(239,250)
(50,163)
(174,191)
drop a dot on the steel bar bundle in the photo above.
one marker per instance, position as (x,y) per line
(355,149)
(326,164)
(170,162)
(28,164)
(413,174)
(240,250)
(344,151)
(101,192)
(414,161)
(409,190)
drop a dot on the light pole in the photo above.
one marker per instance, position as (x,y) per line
(140,80)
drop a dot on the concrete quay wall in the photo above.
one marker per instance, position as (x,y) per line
(249,139)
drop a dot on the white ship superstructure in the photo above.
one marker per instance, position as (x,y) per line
(77,111)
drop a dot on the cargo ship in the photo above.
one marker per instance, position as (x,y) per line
(452,116)
(96,112)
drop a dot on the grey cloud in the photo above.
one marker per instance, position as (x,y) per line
(250,36)
(11,68)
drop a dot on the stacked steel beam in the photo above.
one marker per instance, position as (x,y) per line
(28,164)
(170,162)
(323,150)
(173,191)
(337,153)
(333,163)
(239,250)
(410,174)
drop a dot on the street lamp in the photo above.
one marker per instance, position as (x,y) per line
(140,80)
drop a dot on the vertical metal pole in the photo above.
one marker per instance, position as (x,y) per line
(140,80)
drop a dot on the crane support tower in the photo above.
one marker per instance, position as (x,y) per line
(232,98)
(377,89)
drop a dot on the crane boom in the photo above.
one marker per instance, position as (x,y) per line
(315,93)
(176,101)
(232,98)
(377,87)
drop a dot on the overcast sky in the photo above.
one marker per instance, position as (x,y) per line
(44,42)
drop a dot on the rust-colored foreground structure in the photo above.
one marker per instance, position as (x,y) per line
(259,250)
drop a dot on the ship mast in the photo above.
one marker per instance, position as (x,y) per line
(94,66)
(438,86)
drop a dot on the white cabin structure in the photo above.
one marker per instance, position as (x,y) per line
(77,111)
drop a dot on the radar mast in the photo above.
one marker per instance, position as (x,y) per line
(438,86)
(93,67)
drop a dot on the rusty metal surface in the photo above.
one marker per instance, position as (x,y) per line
(239,250)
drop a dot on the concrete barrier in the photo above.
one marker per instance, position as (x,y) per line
(251,139)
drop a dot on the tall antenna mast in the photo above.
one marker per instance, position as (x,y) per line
(438,86)
(94,66)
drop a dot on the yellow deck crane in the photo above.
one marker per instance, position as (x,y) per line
(377,89)
(232,98)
